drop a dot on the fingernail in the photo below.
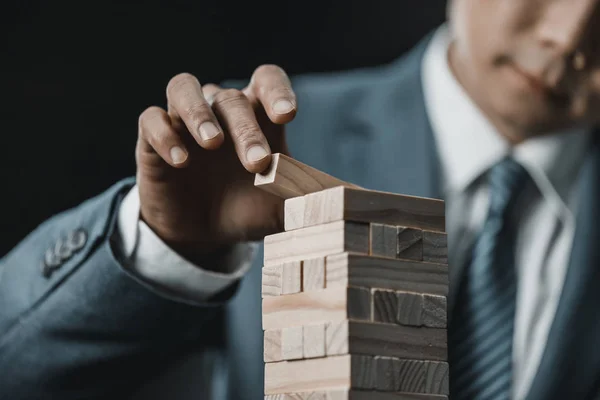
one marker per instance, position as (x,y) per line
(256,153)
(282,107)
(178,155)
(208,130)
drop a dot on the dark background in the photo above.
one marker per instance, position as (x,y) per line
(76,74)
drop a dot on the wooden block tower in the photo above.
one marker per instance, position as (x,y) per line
(354,291)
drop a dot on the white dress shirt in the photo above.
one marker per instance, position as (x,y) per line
(468,145)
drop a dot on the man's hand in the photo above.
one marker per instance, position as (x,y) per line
(196,161)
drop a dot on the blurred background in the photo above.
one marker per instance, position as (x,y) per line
(75,75)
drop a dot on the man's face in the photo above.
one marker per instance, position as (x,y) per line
(532,66)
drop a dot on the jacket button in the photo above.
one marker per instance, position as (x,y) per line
(51,262)
(77,239)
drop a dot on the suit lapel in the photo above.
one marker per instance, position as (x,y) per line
(570,366)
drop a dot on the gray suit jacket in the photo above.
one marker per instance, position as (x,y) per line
(88,330)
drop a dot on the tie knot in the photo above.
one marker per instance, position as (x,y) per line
(506,179)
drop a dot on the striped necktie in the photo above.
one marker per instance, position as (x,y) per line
(480,337)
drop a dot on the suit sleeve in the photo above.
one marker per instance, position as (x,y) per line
(74,324)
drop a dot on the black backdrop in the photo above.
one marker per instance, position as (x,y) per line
(74,76)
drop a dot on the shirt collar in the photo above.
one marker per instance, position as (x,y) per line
(468,144)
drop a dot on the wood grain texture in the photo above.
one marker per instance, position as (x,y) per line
(313,274)
(409,243)
(292,345)
(293,217)
(316,241)
(384,240)
(271,281)
(408,342)
(287,178)
(336,338)
(359,303)
(326,305)
(353,394)
(369,206)
(434,311)
(314,340)
(412,376)
(385,306)
(435,247)
(410,309)
(272,345)
(384,273)
(362,369)
(308,375)
(291,277)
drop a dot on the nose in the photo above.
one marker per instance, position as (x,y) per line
(565,24)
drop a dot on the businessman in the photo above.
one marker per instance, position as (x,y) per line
(496,112)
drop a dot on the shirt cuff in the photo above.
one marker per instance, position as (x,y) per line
(147,257)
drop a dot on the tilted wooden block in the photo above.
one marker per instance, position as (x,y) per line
(332,304)
(287,178)
(377,272)
(410,243)
(365,373)
(316,241)
(359,337)
(435,247)
(353,394)
(369,206)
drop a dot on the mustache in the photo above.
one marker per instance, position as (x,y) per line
(556,72)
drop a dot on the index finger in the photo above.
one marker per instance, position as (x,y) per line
(271,86)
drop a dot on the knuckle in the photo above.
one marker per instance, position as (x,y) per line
(247,133)
(197,109)
(229,97)
(180,80)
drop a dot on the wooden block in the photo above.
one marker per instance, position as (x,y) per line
(340,372)
(360,205)
(412,376)
(271,281)
(384,240)
(292,345)
(410,243)
(385,306)
(352,394)
(358,337)
(434,311)
(410,309)
(313,274)
(272,345)
(308,375)
(288,178)
(435,247)
(359,303)
(293,217)
(316,241)
(291,277)
(326,305)
(384,273)
(314,340)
